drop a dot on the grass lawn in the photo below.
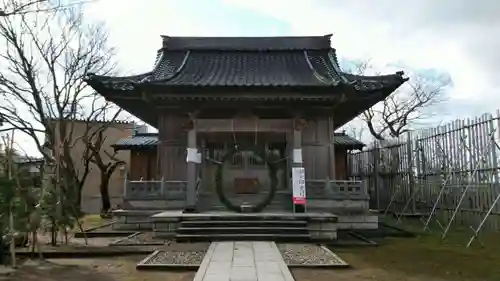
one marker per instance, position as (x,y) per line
(428,255)
(89,221)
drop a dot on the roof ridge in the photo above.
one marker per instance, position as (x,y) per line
(167,37)
(247,43)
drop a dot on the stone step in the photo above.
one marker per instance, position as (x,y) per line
(243,237)
(244,223)
(270,207)
(232,216)
(243,230)
(152,204)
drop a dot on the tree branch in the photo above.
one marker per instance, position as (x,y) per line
(46,58)
(398,112)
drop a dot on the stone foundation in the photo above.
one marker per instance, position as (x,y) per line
(338,206)
(153,204)
(321,226)
(365,221)
(165,229)
(133,219)
(322,230)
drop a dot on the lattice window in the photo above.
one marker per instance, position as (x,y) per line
(247,158)
(215,151)
(237,160)
(253,159)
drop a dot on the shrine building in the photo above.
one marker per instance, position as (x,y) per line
(245,129)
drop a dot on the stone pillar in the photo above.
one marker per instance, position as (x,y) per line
(190,205)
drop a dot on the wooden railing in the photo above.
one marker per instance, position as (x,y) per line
(153,189)
(331,189)
(328,189)
(348,186)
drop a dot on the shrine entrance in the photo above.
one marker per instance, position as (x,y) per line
(246,169)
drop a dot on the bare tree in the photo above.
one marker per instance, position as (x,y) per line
(407,106)
(22,7)
(41,80)
(16,7)
(355,130)
(106,161)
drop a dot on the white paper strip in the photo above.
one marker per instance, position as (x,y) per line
(192,155)
(297,155)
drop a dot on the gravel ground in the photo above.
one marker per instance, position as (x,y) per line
(180,253)
(185,247)
(144,238)
(171,257)
(308,254)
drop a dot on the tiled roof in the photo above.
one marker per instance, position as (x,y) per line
(246,62)
(345,140)
(147,140)
(232,68)
(137,141)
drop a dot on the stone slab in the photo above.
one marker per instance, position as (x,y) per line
(243,261)
(6,271)
(226,215)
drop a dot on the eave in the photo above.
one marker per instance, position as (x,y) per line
(246,71)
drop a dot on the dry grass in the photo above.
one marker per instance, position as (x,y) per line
(423,258)
(116,269)
(89,221)
(429,256)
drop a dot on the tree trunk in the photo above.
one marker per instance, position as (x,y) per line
(78,202)
(105,200)
(53,232)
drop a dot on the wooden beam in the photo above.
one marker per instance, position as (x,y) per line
(145,96)
(299,124)
(243,125)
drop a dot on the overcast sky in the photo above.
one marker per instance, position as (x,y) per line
(455,39)
(458,38)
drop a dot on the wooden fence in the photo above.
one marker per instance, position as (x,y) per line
(449,173)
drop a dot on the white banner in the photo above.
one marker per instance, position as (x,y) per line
(299,185)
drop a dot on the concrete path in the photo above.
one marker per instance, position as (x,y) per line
(243,261)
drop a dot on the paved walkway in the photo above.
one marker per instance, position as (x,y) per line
(243,261)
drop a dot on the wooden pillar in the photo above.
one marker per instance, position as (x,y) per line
(125,185)
(297,154)
(289,163)
(411,178)
(331,150)
(191,177)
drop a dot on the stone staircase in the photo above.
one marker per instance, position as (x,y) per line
(243,228)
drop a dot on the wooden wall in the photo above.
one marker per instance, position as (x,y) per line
(172,146)
(143,164)
(341,163)
(316,141)
(315,149)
